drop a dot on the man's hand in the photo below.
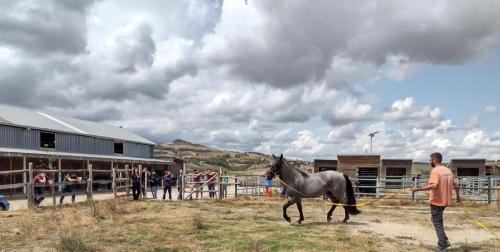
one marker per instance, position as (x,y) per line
(414,190)
(459,200)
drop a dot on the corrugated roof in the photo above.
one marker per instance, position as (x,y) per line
(38,120)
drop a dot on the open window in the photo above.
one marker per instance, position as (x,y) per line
(118,148)
(47,140)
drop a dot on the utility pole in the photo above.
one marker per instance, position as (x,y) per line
(371,135)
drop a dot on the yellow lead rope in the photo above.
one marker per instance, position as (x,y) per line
(475,221)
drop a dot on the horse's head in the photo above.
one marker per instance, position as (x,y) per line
(275,167)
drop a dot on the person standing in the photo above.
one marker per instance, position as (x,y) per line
(267,187)
(40,180)
(154,180)
(197,182)
(180,184)
(441,183)
(136,183)
(224,182)
(68,187)
(211,183)
(167,185)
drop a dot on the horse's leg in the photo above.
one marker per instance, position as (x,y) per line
(290,202)
(299,207)
(346,215)
(334,201)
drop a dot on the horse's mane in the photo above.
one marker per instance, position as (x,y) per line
(304,174)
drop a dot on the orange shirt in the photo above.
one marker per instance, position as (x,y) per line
(445,181)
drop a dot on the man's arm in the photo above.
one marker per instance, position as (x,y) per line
(427,188)
(457,191)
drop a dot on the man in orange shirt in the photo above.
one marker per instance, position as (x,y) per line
(441,183)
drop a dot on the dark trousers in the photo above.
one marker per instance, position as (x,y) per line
(211,191)
(169,189)
(437,221)
(67,189)
(38,199)
(143,190)
(179,189)
(154,191)
(136,191)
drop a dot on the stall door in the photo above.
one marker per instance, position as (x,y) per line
(394,173)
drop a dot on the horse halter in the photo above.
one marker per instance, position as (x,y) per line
(274,169)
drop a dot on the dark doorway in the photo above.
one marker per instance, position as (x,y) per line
(467,172)
(394,173)
(367,180)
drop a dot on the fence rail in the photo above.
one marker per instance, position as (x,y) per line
(478,189)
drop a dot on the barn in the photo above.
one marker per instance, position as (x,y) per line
(365,167)
(468,167)
(395,169)
(325,165)
(62,143)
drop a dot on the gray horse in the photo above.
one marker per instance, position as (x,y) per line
(303,185)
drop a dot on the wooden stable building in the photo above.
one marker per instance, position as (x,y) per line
(51,142)
(325,165)
(394,169)
(468,167)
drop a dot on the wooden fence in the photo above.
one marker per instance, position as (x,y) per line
(481,189)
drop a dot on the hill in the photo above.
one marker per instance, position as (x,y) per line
(202,157)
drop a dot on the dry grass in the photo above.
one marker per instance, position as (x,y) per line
(234,225)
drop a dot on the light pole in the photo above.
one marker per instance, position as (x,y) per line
(371,135)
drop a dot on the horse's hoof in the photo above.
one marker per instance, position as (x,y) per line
(344,221)
(288,219)
(329,220)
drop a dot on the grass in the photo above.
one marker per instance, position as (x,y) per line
(230,225)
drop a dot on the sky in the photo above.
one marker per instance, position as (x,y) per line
(307,79)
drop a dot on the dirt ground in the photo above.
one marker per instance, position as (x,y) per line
(244,224)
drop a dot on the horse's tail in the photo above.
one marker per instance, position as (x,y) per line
(351,197)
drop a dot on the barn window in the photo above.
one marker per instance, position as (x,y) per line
(118,148)
(47,140)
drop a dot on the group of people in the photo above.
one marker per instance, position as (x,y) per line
(155,181)
(41,180)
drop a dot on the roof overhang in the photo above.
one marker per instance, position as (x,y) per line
(8,152)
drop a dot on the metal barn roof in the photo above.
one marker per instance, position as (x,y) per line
(26,118)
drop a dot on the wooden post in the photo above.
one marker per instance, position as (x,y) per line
(183,184)
(220,183)
(10,176)
(140,174)
(113,178)
(414,194)
(89,182)
(25,188)
(128,182)
(52,187)
(30,189)
(490,189)
(59,174)
(235,186)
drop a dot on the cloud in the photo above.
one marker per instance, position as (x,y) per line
(135,47)
(490,109)
(472,123)
(414,117)
(346,112)
(256,76)
(44,28)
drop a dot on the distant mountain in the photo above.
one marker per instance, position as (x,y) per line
(203,157)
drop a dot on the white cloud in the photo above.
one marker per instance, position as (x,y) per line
(347,111)
(490,109)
